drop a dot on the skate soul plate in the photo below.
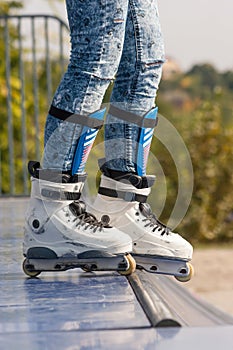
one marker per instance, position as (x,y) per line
(88,261)
(182,270)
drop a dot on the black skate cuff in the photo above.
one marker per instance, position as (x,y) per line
(126,196)
(137,181)
(53,175)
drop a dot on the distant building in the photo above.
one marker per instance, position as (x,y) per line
(170,68)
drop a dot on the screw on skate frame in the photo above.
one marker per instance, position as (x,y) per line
(29,269)
(88,268)
(188,274)
(154,268)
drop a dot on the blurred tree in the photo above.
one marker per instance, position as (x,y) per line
(228,79)
(7,7)
(207,129)
(211,149)
(12,91)
(209,77)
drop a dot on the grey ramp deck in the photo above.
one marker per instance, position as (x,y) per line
(77,310)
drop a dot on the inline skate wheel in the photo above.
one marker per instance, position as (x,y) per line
(132,266)
(29,272)
(188,277)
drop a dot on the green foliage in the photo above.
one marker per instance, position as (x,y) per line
(17,98)
(7,7)
(200,107)
(211,149)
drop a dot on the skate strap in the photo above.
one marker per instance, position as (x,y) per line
(137,181)
(60,195)
(94,120)
(134,118)
(53,175)
(127,196)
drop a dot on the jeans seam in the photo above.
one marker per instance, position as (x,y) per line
(86,96)
(138,50)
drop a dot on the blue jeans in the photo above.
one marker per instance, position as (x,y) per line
(110,39)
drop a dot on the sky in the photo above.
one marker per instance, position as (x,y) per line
(198,30)
(195,31)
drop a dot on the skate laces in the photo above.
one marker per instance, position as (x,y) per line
(87,220)
(152,220)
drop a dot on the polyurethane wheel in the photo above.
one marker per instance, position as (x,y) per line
(28,272)
(187,277)
(132,266)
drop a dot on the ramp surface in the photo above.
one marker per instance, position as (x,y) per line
(78,310)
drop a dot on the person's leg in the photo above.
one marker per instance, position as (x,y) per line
(57,219)
(97,34)
(124,186)
(135,87)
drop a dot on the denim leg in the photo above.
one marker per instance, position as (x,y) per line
(136,84)
(97,30)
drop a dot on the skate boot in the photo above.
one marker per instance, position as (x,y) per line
(60,234)
(155,247)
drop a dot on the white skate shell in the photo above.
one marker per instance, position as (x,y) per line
(149,237)
(51,224)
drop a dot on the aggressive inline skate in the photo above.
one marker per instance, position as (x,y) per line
(60,234)
(156,249)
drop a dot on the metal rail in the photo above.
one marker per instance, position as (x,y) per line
(33,52)
(167,303)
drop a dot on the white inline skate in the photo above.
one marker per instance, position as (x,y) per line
(156,248)
(60,234)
